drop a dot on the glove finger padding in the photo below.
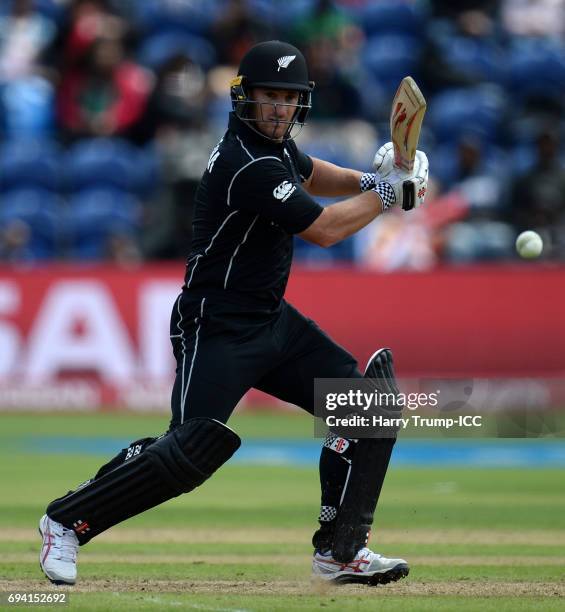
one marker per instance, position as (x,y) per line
(383,164)
(383,161)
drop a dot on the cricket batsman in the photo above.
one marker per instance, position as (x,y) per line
(232,330)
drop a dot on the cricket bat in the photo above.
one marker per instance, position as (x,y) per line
(406,116)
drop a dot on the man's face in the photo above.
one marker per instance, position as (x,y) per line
(272,113)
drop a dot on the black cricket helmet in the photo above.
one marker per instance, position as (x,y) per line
(272,65)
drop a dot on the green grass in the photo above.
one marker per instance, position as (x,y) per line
(477,539)
(120,424)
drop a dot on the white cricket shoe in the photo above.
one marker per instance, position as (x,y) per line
(366,568)
(58,556)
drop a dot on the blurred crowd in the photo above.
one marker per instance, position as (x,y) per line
(110,108)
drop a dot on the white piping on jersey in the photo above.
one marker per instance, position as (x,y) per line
(208,247)
(183,395)
(244,147)
(182,345)
(197,257)
(243,168)
(253,160)
(291,162)
(237,249)
(302,177)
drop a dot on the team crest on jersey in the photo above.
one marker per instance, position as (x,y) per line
(284,61)
(284,191)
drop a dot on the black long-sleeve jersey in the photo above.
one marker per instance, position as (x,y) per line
(248,205)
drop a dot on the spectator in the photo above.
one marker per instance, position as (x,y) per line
(331,45)
(398,241)
(415,240)
(175,121)
(436,73)
(88,21)
(15,239)
(479,182)
(108,97)
(470,17)
(236,31)
(24,35)
(325,21)
(167,223)
(538,196)
(123,250)
(534,18)
(178,100)
(335,95)
(472,172)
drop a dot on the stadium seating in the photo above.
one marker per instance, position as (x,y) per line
(477,57)
(94,216)
(108,162)
(271,13)
(30,164)
(388,17)
(445,162)
(162,46)
(522,90)
(27,108)
(53,9)
(40,210)
(475,111)
(389,58)
(536,67)
(154,16)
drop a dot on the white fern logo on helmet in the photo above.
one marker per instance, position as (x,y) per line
(284,61)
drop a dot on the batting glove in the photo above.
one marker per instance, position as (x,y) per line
(408,188)
(382,163)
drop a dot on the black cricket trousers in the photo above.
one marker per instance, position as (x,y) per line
(222,351)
